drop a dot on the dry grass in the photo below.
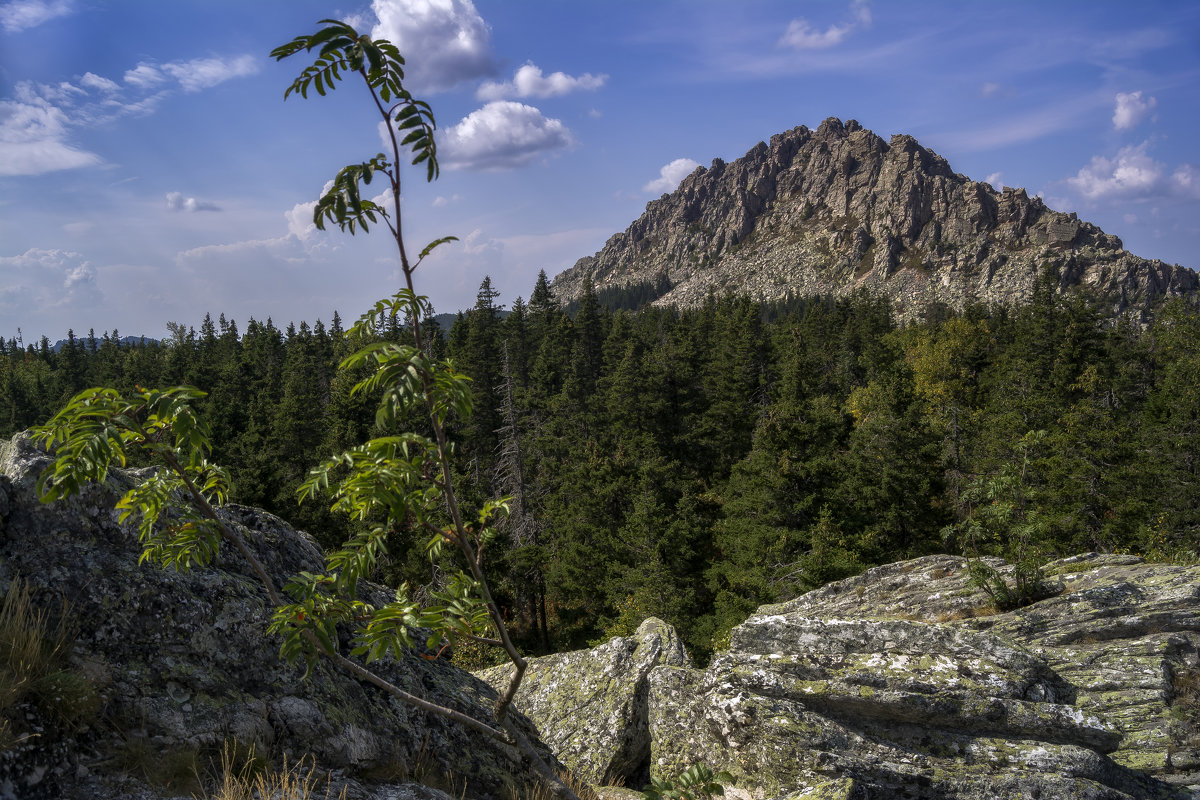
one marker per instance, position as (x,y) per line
(242,777)
(543,792)
(34,645)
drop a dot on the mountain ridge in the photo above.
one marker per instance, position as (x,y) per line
(839,209)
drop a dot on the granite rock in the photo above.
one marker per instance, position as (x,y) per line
(184,662)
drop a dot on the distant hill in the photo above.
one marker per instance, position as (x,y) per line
(124,341)
(839,209)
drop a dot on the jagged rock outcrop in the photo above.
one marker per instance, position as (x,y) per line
(184,662)
(903,682)
(590,706)
(838,209)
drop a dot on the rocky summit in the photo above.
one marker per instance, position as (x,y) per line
(839,209)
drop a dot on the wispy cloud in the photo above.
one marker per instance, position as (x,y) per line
(194,75)
(45,279)
(36,123)
(20,15)
(530,82)
(1011,129)
(204,73)
(801,35)
(34,140)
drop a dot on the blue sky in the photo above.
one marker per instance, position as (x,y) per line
(150,170)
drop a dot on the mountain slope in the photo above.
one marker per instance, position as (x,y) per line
(838,209)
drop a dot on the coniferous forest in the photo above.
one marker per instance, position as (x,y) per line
(695,464)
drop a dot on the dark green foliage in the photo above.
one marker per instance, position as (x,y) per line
(696,464)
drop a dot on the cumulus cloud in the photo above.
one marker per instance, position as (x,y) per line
(177,202)
(530,82)
(995,180)
(1133,174)
(801,35)
(1131,109)
(444,42)
(670,175)
(33,140)
(501,135)
(20,15)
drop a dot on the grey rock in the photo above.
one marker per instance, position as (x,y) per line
(185,662)
(839,209)
(903,682)
(590,706)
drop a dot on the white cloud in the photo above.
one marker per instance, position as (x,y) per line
(144,76)
(177,202)
(194,75)
(476,243)
(994,179)
(300,221)
(501,135)
(33,140)
(1131,173)
(45,279)
(441,202)
(528,81)
(444,42)
(21,15)
(204,73)
(1131,109)
(1186,180)
(94,81)
(670,175)
(801,35)
(1134,174)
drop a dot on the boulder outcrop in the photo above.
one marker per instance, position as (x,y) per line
(904,682)
(184,664)
(840,209)
(591,706)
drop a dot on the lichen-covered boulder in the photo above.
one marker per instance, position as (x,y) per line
(185,664)
(903,683)
(590,706)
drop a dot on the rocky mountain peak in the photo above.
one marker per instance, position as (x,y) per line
(839,209)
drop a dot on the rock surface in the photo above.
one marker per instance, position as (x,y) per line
(902,682)
(185,664)
(590,706)
(838,209)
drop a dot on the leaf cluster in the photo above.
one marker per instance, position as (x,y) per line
(697,782)
(98,428)
(340,48)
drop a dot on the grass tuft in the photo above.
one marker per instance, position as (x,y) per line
(34,645)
